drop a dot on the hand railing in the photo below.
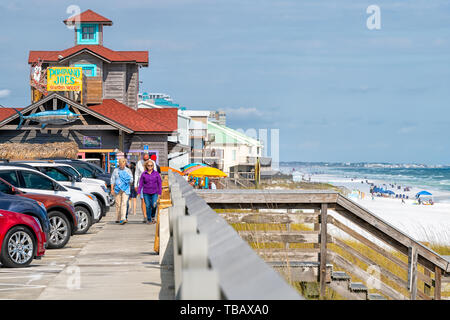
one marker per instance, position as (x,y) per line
(210,260)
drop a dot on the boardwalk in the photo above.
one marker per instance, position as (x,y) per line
(112,261)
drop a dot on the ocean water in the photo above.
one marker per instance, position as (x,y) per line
(425,178)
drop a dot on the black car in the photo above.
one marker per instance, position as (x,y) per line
(26,206)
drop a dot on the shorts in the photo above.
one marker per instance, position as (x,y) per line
(133,193)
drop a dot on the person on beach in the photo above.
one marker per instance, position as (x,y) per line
(150,185)
(133,193)
(121,181)
(137,176)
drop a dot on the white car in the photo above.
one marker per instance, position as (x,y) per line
(68,176)
(30,180)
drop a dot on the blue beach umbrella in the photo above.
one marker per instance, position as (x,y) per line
(423,193)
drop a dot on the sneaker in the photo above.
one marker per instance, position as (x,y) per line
(122,222)
(117,221)
(144,221)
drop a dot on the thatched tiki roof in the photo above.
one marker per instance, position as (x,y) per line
(29,151)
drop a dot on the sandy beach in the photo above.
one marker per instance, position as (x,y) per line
(429,223)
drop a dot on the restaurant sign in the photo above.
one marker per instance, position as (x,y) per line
(64,79)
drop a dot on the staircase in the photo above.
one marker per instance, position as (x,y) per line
(342,284)
(339,281)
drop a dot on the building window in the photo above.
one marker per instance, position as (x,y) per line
(89,70)
(88,34)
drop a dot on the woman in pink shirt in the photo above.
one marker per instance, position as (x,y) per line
(151,185)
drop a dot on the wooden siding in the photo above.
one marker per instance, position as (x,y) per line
(114,76)
(86,58)
(94,90)
(132,85)
(154,141)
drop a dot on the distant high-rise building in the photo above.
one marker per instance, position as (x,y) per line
(218,117)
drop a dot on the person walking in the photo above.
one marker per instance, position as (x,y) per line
(153,157)
(137,176)
(150,185)
(121,181)
(133,193)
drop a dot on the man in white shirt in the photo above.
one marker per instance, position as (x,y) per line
(137,176)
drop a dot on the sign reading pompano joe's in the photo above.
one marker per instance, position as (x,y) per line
(64,79)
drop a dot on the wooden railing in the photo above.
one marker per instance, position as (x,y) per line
(210,260)
(372,251)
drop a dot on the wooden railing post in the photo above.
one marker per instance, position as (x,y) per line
(323,249)
(412,272)
(437,283)
(427,287)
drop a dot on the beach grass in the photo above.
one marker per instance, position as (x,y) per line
(300,185)
(309,289)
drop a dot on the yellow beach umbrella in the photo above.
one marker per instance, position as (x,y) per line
(207,172)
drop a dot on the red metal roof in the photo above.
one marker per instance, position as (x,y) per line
(88,16)
(150,120)
(108,54)
(7,112)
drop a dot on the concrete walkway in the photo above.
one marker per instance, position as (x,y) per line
(117,263)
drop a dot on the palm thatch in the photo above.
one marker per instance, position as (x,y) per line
(30,151)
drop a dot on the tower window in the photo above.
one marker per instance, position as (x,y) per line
(87,34)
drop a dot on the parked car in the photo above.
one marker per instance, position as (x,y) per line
(60,211)
(57,172)
(30,180)
(26,206)
(21,239)
(88,170)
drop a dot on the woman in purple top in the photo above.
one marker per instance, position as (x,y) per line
(150,183)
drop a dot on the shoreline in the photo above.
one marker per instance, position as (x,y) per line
(426,223)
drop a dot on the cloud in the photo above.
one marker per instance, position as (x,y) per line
(243,112)
(406,130)
(391,42)
(4,93)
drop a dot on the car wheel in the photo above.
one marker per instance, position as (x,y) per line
(18,248)
(102,209)
(84,220)
(60,230)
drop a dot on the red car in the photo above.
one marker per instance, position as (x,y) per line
(22,239)
(61,214)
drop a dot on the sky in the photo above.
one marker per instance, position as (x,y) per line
(313,70)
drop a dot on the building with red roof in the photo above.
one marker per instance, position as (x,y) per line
(108,74)
(106,123)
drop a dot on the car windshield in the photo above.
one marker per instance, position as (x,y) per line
(71,171)
(84,170)
(96,167)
